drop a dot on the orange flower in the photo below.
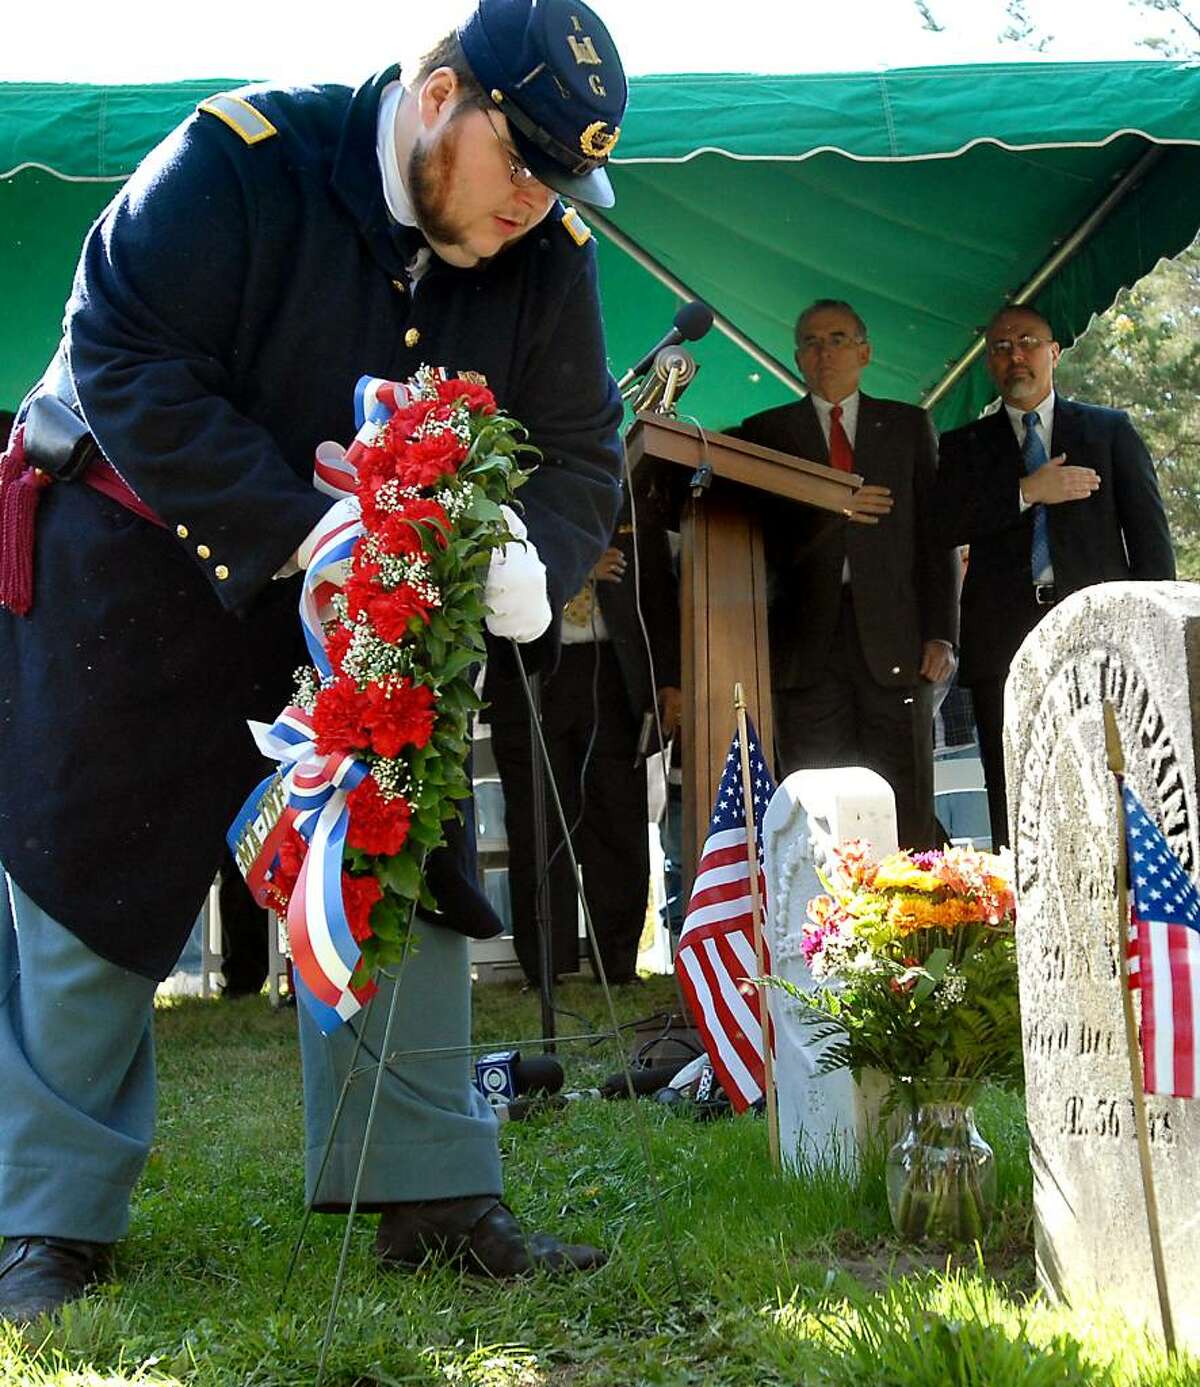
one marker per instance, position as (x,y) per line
(907,914)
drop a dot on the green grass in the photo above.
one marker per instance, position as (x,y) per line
(781,1280)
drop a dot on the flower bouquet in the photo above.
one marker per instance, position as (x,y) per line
(915,961)
(373,748)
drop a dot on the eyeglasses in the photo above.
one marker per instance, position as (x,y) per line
(519,173)
(835,341)
(1025,344)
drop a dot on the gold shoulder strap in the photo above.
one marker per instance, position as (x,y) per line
(245,120)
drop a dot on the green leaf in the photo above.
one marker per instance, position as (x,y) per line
(424,836)
(935,969)
(400,874)
(483,508)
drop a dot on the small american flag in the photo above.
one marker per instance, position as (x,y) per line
(1164,956)
(715,959)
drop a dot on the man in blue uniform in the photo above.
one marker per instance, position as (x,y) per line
(277,246)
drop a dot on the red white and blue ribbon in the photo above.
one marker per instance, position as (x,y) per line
(325,953)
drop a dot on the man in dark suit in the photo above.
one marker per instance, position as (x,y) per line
(1051,495)
(863,618)
(593,709)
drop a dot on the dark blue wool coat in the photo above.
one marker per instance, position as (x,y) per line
(225,305)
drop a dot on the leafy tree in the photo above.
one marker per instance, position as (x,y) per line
(1183,33)
(1143,355)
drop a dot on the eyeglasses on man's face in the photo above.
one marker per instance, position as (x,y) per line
(835,341)
(1025,344)
(519,173)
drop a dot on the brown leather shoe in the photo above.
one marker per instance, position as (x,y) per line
(479,1234)
(40,1275)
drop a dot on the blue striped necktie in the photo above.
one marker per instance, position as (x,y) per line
(1033,456)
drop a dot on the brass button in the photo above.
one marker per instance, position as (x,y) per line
(399,286)
(204,551)
(412,337)
(222,572)
(182,531)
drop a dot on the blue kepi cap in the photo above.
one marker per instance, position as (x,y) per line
(552,68)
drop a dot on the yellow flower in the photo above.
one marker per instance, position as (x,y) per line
(899,873)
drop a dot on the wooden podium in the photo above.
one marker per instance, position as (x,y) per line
(723,588)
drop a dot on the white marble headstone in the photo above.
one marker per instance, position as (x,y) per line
(820,1116)
(1136,645)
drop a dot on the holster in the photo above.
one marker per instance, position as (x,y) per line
(57,441)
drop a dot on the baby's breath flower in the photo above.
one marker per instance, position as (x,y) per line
(369,659)
(307,686)
(951,991)
(393,778)
(454,500)
(391,496)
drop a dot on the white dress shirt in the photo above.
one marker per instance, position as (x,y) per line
(395,194)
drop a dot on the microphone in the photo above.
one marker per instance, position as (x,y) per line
(504,1076)
(645,1081)
(691,322)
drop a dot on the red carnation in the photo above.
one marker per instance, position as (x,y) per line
(359,895)
(423,511)
(378,826)
(374,467)
(398,714)
(395,536)
(406,421)
(337,641)
(429,459)
(338,718)
(478,397)
(361,586)
(389,612)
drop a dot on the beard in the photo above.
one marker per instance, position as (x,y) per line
(430,183)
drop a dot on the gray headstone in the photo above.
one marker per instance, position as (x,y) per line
(822,1117)
(1138,646)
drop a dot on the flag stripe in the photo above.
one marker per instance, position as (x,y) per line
(726,1060)
(1160,996)
(716,950)
(1164,965)
(1181,995)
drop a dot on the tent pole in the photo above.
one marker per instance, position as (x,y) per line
(1073,242)
(677,286)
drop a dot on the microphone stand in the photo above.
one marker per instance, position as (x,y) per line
(541,859)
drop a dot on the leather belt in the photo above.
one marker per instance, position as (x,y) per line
(51,443)
(59,444)
(1045,594)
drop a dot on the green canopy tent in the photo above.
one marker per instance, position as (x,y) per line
(927,196)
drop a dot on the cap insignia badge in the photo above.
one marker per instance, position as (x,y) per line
(597,142)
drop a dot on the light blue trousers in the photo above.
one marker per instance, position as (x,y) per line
(77,1085)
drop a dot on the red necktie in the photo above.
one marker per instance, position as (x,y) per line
(841,454)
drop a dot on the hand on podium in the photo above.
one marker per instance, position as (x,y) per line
(869,504)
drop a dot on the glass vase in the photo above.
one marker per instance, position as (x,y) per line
(941,1174)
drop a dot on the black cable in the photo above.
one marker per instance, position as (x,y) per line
(643,1138)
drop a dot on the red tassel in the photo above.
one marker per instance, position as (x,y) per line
(20,488)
